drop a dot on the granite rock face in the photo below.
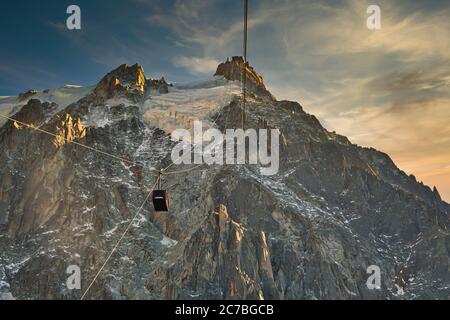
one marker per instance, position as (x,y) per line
(308,232)
(234,70)
(125,81)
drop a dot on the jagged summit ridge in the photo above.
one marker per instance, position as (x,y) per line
(129,82)
(126,81)
(234,69)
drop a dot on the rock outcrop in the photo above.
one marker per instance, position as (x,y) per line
(234,70)
(68,130)
(26,95)
(157,86)
(129,82)
(124,82)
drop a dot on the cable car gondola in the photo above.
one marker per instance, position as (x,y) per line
(160,198)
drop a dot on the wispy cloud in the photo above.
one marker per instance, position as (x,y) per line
(201,31)
(197,65)
(388,88)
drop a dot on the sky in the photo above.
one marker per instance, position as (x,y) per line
(388,89)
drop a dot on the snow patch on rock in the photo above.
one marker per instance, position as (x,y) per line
(168,242)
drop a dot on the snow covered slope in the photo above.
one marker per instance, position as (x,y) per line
(6,105)
(63,97)
(186,103)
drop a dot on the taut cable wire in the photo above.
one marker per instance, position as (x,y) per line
(118,242)
(72,141)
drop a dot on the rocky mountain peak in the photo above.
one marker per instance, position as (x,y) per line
(436,192)
(27,94)
(125,81)
(131,83)
(233,70)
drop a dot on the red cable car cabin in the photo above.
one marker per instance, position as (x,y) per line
(160,199)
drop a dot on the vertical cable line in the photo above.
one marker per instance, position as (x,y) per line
(244,69)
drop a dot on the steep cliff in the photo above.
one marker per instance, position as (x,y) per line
(235,69)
